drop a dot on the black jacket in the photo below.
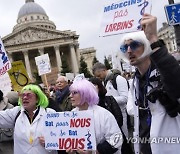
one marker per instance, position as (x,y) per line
(109,103)
(169,91)
(169,70)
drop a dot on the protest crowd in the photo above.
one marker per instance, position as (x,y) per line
(132,114)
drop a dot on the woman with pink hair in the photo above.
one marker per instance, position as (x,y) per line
(84,96)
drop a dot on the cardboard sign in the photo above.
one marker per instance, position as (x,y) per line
(43,64)
(123,16)
(5,64)
(64,130)
(18,75)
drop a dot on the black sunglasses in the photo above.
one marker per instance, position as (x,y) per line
(133,45)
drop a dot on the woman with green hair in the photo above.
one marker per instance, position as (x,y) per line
(27,121)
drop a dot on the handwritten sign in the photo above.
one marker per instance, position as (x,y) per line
(18,75)
(66,130)
(123,16)
(5,64)
(43,64)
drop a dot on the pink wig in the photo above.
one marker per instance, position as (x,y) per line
(86,90)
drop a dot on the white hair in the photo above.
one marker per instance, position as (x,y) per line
(140,37)
(64,77)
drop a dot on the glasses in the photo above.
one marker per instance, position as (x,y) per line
(27,95)
(133,45)
(74,92)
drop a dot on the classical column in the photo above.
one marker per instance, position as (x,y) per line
(58,57)
(74,62)
(77,53)
(10,56)
(27,63)
(41,51)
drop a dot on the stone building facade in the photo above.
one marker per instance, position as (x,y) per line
(34,35)
(88,54)
(166,33)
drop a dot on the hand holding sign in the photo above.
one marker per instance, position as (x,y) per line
(70,130)
(149,25)
(123,16)
(84,152)
(71,151)
(42,141)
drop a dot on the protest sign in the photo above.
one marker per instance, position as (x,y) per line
(5,85)
(123,16)
(5,64)
(70,76)
(18,75)
(43,64)
(64,130)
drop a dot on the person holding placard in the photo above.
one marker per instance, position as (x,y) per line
(154,97)
(27,121)
(107,132)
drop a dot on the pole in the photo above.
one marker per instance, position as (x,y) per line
(46,83)
(176,30)
(171,1)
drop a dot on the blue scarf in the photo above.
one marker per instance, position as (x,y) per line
(61,94)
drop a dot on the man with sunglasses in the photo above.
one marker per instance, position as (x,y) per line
(154,95)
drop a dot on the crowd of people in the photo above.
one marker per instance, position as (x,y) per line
(149,103)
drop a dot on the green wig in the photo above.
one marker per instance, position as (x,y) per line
(42,99)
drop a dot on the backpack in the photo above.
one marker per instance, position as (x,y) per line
(113,76)
(112,106)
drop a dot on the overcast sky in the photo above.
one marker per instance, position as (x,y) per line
(82,16)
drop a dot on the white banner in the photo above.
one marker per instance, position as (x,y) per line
(64,130)
(43,64)
(123,16)
(5,64)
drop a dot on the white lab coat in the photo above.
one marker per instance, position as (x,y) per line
(162,125)
(121,97)
(23,128)
(106,126)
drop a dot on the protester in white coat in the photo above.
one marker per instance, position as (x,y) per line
(156,99)
(27,121)
(108,135)
(120,93)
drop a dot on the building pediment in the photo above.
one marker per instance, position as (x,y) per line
(35,34)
